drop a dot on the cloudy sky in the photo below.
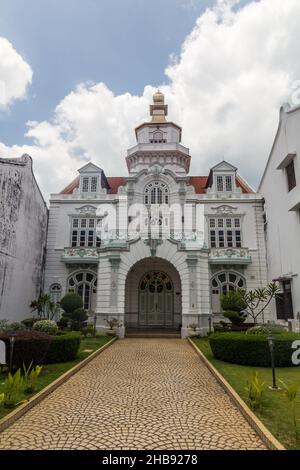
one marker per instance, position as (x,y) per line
(77,76)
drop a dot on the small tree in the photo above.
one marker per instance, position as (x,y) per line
(74,314)
(257,300)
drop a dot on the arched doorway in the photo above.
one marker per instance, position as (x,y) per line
(221,283)
(153,295)
(85,284)
(156,298)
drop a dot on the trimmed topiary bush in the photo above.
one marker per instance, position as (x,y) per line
(29,346)
(236,318)
(63,348)
(46,326)
(233,301)
(70,302)
(253,350)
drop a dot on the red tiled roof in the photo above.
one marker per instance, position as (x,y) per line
(241,183)
(70,188)
(199,183)
(114,183)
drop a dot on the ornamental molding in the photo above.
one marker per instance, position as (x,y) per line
(153,244)
(156,170)
(81,252)
(230,253)
(224,210)
(87,210)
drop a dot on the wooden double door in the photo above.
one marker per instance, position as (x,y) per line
(156,300)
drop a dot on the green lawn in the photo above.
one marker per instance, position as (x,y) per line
(276,412)
(52,371)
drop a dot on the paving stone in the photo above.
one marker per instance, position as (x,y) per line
(137,394)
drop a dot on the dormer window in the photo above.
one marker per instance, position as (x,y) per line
(89,184)
(224,183)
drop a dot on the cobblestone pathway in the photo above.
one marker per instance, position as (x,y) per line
(137,394)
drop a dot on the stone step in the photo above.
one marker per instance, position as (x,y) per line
(148,333)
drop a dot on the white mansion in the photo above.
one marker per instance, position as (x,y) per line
(156,282)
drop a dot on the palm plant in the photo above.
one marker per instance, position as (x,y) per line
(291,393)
(45,307)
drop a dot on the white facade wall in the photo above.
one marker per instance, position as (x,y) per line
(190,263)
(282,207)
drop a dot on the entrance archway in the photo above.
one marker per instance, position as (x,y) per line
(153,295)
(156,299)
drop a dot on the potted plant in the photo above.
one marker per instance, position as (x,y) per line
(193,329)
(113,324)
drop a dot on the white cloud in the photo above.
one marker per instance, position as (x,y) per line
(15,74)
(235,70)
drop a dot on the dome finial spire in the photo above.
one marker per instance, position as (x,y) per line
(159,110)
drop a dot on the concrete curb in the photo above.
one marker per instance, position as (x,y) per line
(9,419)
(268,439)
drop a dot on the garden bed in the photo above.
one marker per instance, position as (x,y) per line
(276,413)
(51,372)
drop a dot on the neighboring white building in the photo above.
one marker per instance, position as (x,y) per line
(23,230)
(156,282)
(280,187)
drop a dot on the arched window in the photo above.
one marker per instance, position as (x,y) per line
(85,284)
(55,292)
(158,138)
(156,193)
(222,283)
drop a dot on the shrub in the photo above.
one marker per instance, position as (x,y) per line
(29,322)
(30,376)
(73,311)
(265,330)
(5,326)
(16,326)
(13,388)
(70,302)
(63,323)
(78,319)
(46,326)
(255,391)
(253,350)
(233,301)
(88,330)
(29,346)
(63,348)
(236,318)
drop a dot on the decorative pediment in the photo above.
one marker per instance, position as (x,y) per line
(90,168)
(224,166)
(224,210)
(87,210)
